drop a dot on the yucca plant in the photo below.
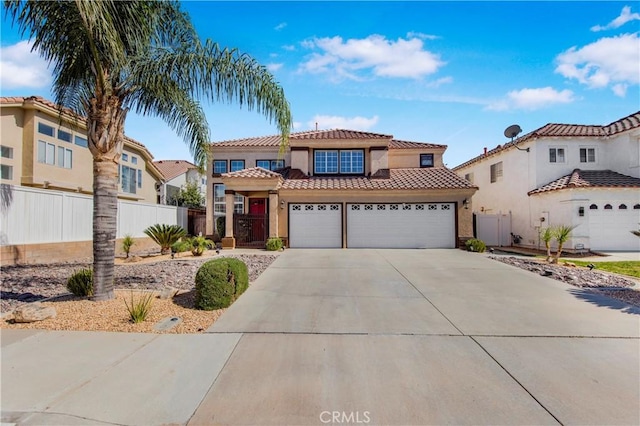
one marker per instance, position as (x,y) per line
(547,236)
(127,243)
(139,309)
(165,235)
(561,234)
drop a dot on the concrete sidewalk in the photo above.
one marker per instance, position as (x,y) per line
(398,337)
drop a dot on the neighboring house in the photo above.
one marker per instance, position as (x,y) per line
(176,174)
(42,149)
(337,188)
(564,174)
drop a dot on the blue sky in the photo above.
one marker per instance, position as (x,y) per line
(454,73)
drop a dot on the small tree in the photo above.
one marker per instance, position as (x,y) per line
(547,236)
(561,234)
(165,235)
(189,195)
(127,243)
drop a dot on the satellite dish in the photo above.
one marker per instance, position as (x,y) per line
(512,131)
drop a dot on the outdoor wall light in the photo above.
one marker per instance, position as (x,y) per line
(580,211)
(282,204)
(465,203)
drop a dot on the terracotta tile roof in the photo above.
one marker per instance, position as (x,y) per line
(589,179)
(173,168)
(253,172)
(270,141)
(339,134)
(407,179)
(396,144)
(566,130)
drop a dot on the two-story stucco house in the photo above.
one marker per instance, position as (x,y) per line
(586,176)
(176,174)
(337,189)
(41,148)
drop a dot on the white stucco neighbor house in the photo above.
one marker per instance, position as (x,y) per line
(587,176)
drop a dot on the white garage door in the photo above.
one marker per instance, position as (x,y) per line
(410,225)
(610,228)
(315,225)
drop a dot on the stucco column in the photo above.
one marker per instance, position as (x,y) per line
(274,210)
(229,241)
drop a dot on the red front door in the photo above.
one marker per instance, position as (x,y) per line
(257,206)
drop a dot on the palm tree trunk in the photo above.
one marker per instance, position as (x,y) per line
(106,136)
(105,208)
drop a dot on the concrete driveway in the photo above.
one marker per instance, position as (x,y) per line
(393,337)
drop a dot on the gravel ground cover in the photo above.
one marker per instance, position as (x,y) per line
(611,285)
(25,284)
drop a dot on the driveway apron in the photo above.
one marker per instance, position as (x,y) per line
(421,337)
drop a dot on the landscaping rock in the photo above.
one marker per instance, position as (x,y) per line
(167,293)
(33,312)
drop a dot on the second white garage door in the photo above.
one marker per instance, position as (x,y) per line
(409,225)
(315,225)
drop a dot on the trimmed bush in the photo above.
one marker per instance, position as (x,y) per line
(475,245)
(273,244)
(181,246)
(81,283)
(220,282)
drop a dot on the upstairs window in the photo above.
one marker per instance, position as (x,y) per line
(496,172)
(469,177)
(426,160)
(347,161)
(46,153)
(587,155)
(556,155)
(6,151)
(270,164)
(128,179)
(65,136)
(80,141)
(237,165)
(219,167)
(46,129)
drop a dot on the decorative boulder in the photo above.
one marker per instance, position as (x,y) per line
(33,312)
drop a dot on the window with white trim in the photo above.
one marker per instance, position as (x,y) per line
(426,160)
(270,164)
(496,172)
(219,167)
(237,165)
(6,151)
(80,141)
(346,161)
(125,157)
(556,155)
(46,153)
(128,179)
(218,199)
(587,155)
(65,136)
(65,157)
(45,129)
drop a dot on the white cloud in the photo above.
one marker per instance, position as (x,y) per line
(439,82)
(625,16)
(337,122)
(532,99)
(297,125)
(610,60)
(353,58)
(274,66)
(280,26)
(620,89)
(22,69)
(289,47)
(414,34)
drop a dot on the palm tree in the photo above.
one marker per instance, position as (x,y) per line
(561,234)
(547,236)
(111,56)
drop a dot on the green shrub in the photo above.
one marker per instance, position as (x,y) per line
(220,282)
(165,235)
(273,244)
(127,243)
(81,283)
(199,244)
(221,226)
(181,246)
(475,245)
(139,309)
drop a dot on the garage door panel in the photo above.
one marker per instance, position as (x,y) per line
(420,225)
(611,229)
(315,225)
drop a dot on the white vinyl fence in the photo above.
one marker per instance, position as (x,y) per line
(32,216)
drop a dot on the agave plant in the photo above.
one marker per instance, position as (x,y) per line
(561,234)
(165,235)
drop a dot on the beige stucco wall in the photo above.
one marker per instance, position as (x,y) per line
(410,158)
(11,122)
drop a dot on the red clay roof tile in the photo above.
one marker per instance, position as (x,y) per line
(173,168)
(589,179)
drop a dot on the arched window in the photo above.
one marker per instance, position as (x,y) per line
(636,207)
(608,207)
(593,207)
(622,206)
